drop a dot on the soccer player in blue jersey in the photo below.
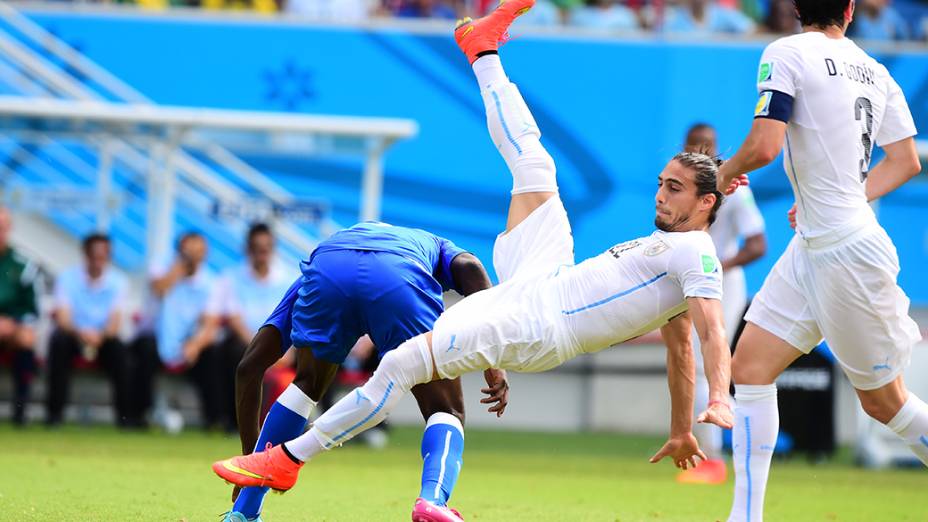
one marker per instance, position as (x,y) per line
(371,279)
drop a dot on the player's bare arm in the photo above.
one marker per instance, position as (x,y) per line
(754,248)
(759,149)
(681,446)
(707,316)
(899,166)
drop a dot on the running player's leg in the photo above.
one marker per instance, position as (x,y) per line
(759,358)
(864,316)
(781,327)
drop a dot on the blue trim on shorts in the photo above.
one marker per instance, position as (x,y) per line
(616,296)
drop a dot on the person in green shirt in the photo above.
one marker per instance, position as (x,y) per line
(18,313)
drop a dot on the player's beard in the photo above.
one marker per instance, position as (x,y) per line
(669,227)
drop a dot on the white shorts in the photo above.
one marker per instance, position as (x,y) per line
(507,326)
(846,293)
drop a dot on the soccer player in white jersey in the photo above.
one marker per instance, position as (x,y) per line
(546,310)
(738,235)
(825,102)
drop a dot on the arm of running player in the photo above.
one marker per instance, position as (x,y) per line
(754,247)
(710,326)
(682,446)
(899,166)
(759,149)
(469,277)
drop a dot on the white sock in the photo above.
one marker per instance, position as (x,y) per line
(296,401)
(489,71)
(757,422)
(911,423)
(513,129)
(401,369)
(708,435)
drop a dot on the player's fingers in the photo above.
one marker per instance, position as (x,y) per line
(701,455)
(488,400)
(702,417)
(486,390)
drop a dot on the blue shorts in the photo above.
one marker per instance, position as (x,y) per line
(344,294)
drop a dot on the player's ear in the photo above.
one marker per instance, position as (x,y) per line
(849,13)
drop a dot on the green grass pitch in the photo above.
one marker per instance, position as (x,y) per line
(90,474)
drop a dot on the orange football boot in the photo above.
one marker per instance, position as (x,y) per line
(712,471)
(491,31)
(271,468)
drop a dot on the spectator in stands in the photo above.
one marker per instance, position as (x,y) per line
(88,316)
(183,340)
(781,18)
(604,14)
(244,298)
(544,14)
(330,10)
(425,9)
(877,20)
(706,17)
(18,313)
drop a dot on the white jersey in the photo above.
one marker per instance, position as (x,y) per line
(844,102)
(635,287)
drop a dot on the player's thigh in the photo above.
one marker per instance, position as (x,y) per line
(862,311)
(441,396)
(761,356)
(313,375)
(541,242)
(781,325)
(522,205)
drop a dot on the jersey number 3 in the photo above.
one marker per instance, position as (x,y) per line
(863,113)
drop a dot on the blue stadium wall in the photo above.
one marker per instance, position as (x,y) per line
(612,112)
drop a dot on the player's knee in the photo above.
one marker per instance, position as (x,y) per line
(745,370)
(879,408)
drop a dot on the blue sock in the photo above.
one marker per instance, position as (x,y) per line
(286,420)
(442,456)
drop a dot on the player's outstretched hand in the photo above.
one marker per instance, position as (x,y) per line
(497,389)
(740,181)
(791,216)
(683,449)
(718,413)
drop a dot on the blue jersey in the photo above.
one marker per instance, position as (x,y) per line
(431,252)
(372,278)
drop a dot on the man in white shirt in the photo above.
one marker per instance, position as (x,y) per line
(826,103)
(88,315)
(241,301)
(545,310)
(738,235)
(182,340)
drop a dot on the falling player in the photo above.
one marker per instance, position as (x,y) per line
(825,102)
(546,310)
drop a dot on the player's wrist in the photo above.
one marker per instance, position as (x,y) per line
(721,402)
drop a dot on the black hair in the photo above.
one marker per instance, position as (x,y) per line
(257,229)
(706,170)
(96,237)
(821,13)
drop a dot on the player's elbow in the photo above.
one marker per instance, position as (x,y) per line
(914,167)
(764,152)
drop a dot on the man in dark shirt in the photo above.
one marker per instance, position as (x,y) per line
(17,316)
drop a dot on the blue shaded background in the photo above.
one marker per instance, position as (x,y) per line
(611,112)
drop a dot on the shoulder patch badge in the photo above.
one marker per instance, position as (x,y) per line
(708,264)
(765,74)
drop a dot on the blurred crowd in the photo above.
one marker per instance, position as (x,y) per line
(193,326)
(880,20)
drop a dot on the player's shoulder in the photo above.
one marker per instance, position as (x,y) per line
(792,44)
(684,243)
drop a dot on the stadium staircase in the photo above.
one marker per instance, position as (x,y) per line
(55,177)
